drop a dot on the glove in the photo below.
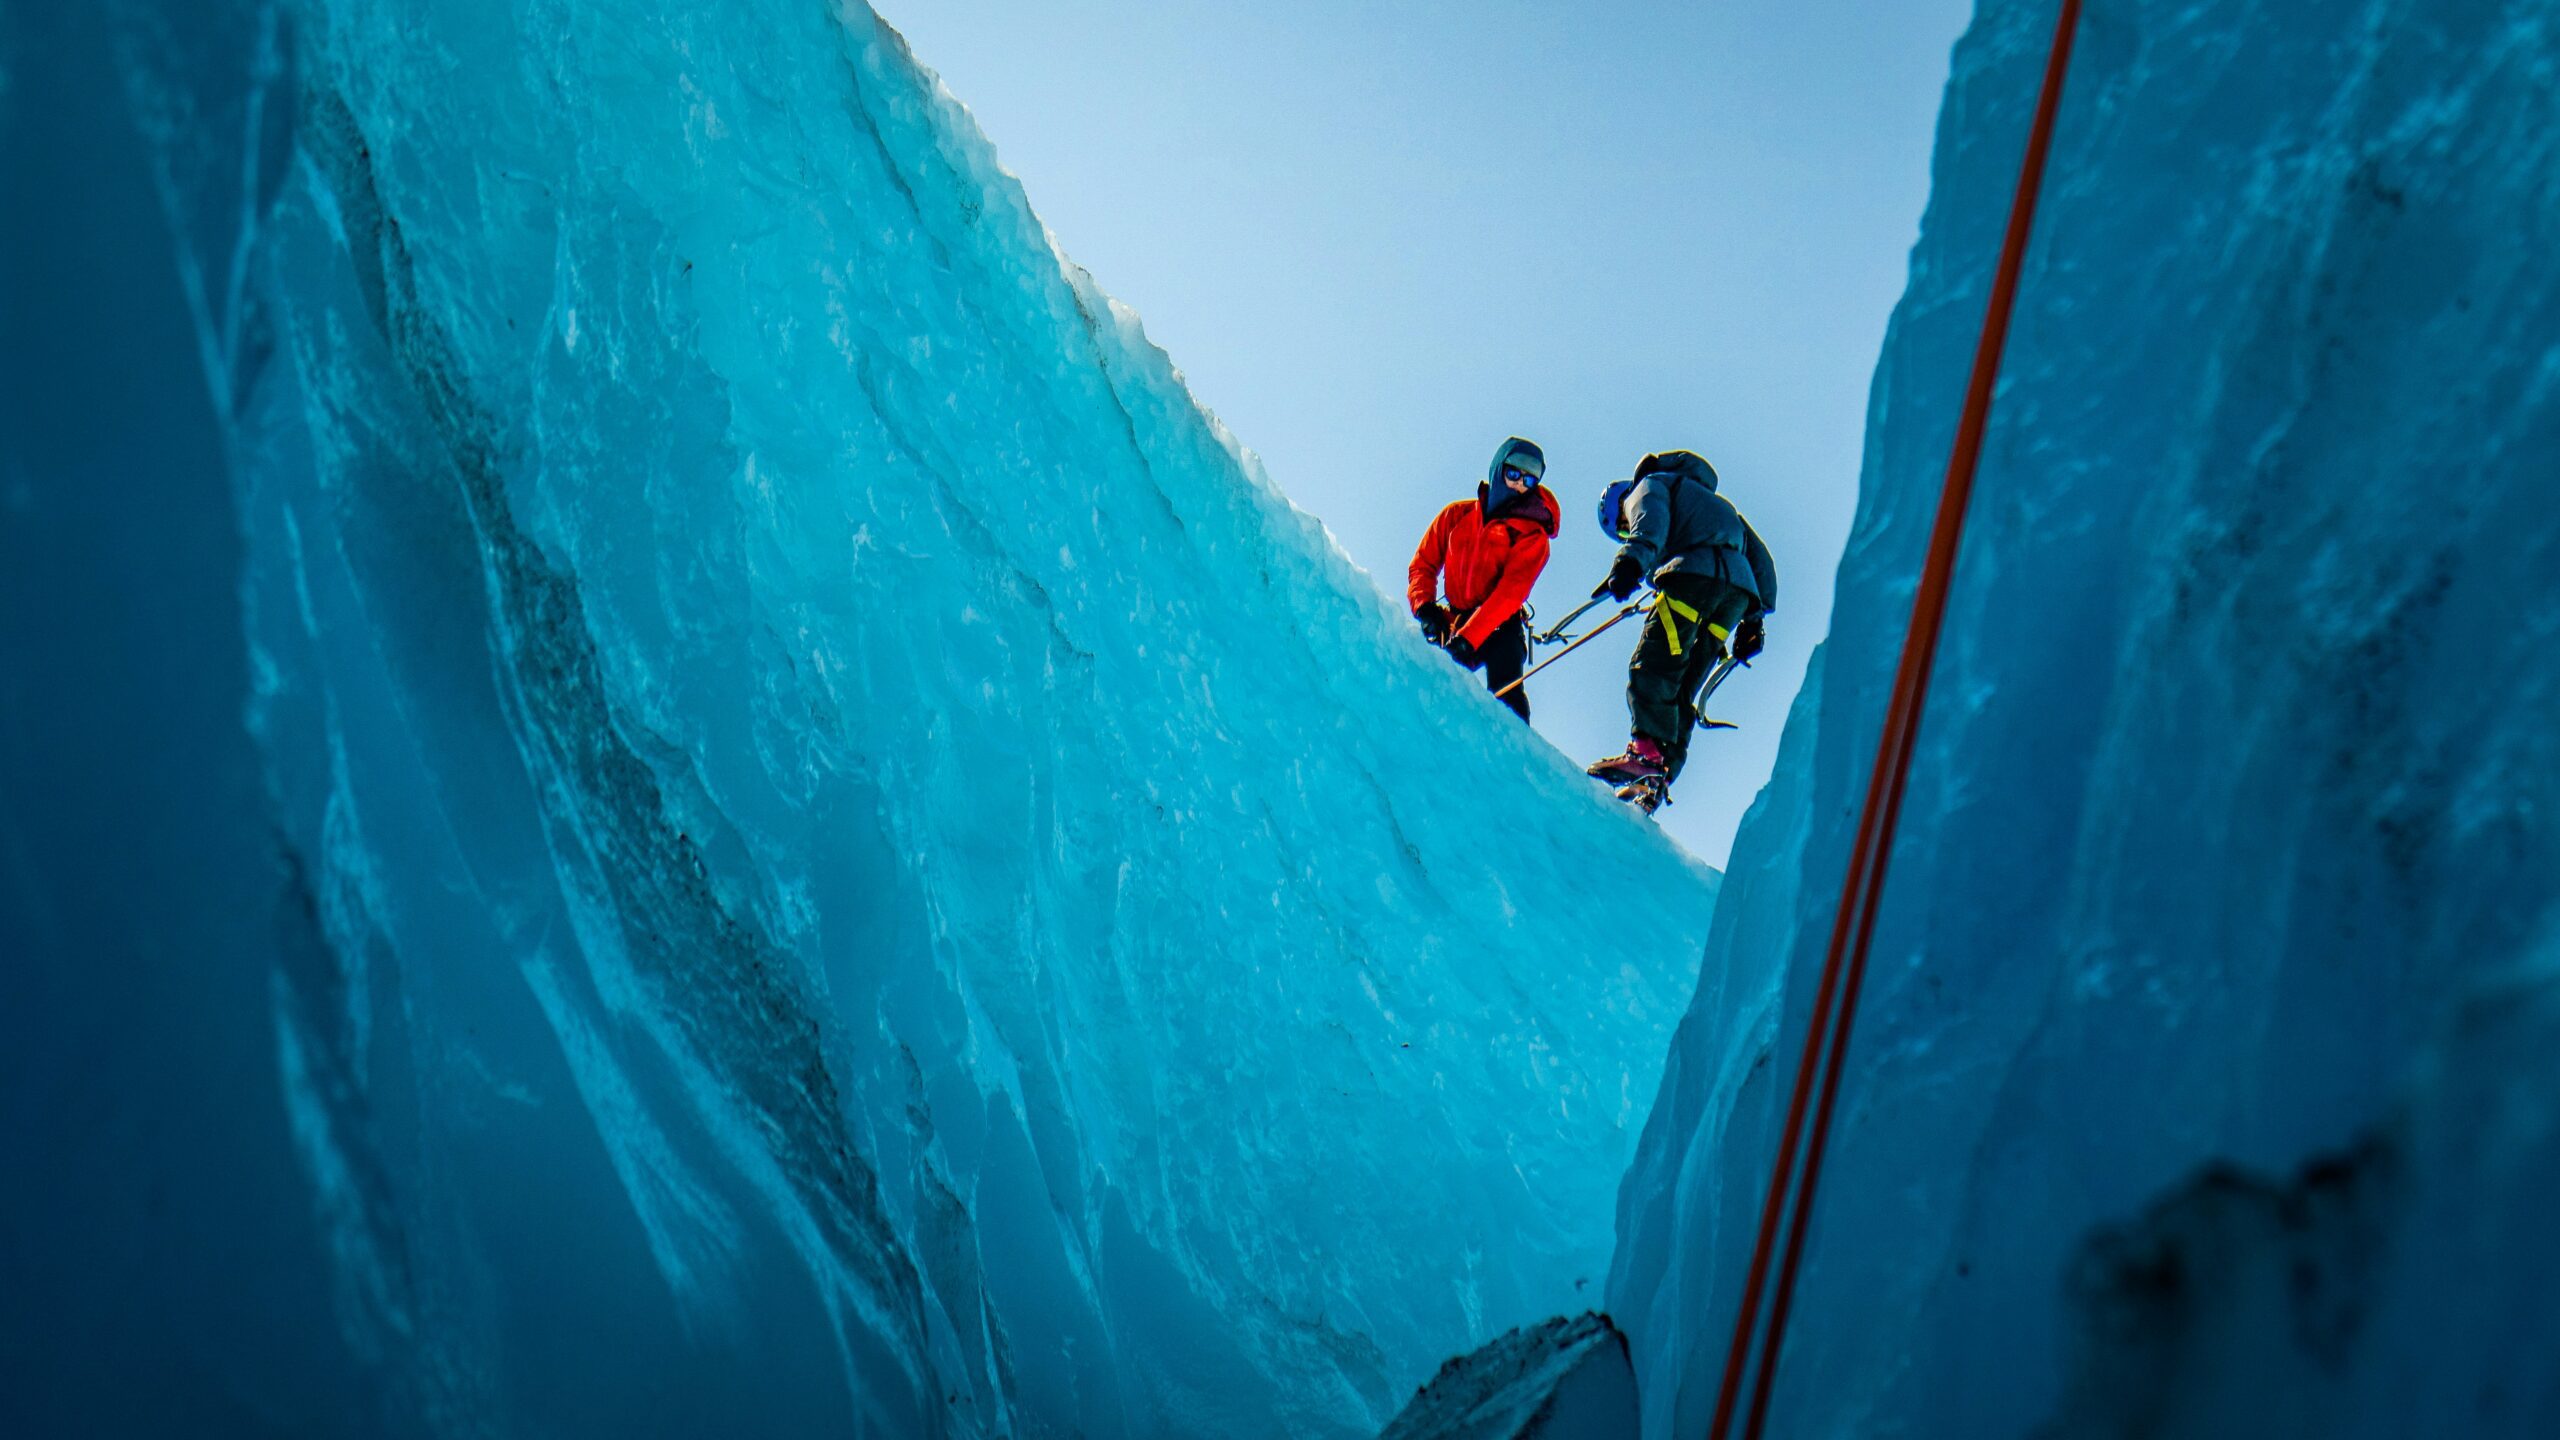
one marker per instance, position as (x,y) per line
(1624,577)
(1749,639)
(1434,619)
(1464,653)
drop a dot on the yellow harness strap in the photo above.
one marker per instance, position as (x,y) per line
(1671,628)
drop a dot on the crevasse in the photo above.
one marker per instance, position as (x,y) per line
(871,869)
(852,865)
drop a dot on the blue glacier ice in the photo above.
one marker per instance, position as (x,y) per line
(655,778)
(2203,1082)
(159,1273)
(857,856)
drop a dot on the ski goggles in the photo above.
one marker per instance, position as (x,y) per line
(1513,474)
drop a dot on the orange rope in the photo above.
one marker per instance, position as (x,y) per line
(1854,926)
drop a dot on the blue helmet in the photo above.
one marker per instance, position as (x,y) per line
(1613,504)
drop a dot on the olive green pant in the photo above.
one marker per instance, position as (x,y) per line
(1684,636)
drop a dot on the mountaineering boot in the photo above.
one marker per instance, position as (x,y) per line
(1642,759)
(1648,794)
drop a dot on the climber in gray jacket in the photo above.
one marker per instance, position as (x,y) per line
(1713,583)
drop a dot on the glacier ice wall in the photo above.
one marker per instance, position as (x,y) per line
(868,869)
(2202,1070)
(159,1272)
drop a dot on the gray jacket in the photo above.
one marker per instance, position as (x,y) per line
(1679,523)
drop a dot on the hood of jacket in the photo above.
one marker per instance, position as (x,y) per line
(1524,453)
(1686,463)
(1495,498)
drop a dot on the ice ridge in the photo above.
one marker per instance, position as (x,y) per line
(865,867)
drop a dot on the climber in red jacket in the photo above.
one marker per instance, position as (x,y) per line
(1489,551)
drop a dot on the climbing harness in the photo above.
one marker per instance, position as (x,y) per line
(1595,634)
(1714,678)
(1671,628)
(1827,1038)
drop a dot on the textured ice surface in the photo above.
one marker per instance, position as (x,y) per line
(159,1270)
(873,870)
(1566,1379)
(2221,923)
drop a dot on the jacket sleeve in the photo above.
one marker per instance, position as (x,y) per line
(1651,501)
(1764,571)
(1422,577)
(1511,590)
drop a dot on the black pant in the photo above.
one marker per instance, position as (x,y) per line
(1505,653)
(1675,653)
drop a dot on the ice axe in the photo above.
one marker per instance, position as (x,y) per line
(1715,678)
(1569,649)
(1556,632)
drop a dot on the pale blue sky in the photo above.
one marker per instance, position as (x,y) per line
(1377,238)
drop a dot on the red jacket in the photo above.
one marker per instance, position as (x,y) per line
(1490,564)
